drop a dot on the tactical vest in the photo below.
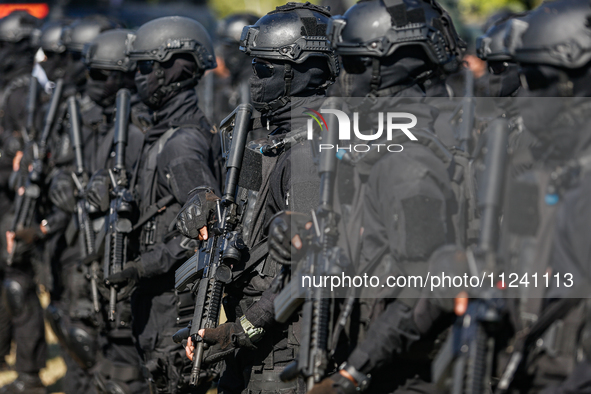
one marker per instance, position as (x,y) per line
(463,222)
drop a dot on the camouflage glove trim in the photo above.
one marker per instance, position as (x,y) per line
(254,333)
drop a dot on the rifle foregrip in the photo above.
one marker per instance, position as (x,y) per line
(112,302)
(197,359)
(94,292)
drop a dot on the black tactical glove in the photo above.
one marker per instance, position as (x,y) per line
(196,212)
(336,384)
(283,229)
(97,190)
(223,340)
(126,280)
(61,192)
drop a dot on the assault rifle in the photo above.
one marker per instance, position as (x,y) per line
(118,224)
(463,117)
(86,233)
(29,130)
(27,199)
(313,358)
(467,355)
(212,263)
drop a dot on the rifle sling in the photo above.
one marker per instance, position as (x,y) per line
(154,209)
(256,254)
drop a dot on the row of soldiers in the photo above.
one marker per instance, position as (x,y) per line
(113,175)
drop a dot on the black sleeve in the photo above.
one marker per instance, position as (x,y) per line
(392,333)
(571,254)
(184,166)
(186,159)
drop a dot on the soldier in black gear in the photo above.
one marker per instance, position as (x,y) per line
(283,76)
(16,47)
(230,78)
(503,72)
(384,62)
(111,357)
(553,103)
(72,319)
(179,152)
(21,307)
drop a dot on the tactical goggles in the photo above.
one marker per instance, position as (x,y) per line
(262,68)
(98,74)
(145,67)
(497,67)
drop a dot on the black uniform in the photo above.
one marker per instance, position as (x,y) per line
(167,168)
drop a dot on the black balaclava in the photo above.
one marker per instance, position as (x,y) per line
(554,118)
(104,91)
(75,71)
(55,65)
(397,72)
(505,84)
(159,86)
(269,94)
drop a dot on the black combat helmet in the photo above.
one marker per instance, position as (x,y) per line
(50,39)
(109,68)
(286,38)
(394,44)
(18,26)
(108,51)
(293,32)
(172,53)
(82,31)
(161,38)
(378,28)
(491,45)
(557,33)
(503,80)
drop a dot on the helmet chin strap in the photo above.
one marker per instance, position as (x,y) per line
(376,79)
(283,100)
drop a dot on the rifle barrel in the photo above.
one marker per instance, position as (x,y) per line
(121,127)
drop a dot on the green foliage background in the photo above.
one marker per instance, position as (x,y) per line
(468,11)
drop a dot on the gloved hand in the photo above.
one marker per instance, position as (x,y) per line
(126,280)
(61,192)
(286,232)
(335,384)
(97,190)
(222,341)
(29,235)
(195,214)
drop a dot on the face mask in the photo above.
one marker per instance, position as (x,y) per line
(75,73)
(104,92)
(146,87)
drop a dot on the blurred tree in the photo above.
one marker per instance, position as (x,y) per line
(474,11)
